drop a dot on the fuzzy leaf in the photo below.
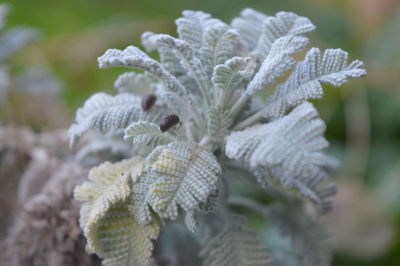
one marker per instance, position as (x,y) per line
(167,57)
(283,24)
(147,133)
(235,246)
(220,43)
(219,121)
(293,143)
(179,174)
(278,62)
(110,229)
(175,104)
(135,83)
(192,25)
(228,77)
(106,113)
(305,81)
(249,26)
(133,57)
(316,188)
(185,54)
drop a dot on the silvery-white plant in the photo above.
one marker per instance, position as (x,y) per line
(197,122)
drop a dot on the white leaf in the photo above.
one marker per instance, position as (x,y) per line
(185,54)
(278,62)
(305,81)
(178,174)
(192,25)
(249,25)
(228,77)
(135,58)
(167,57)
(147,133)
(106,113)
(219,121)
(235,246)
(315,187)
(220,43)
(283,24)
(293,143)
(135,83)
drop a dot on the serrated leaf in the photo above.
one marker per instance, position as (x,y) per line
(316,188)
(133,57)
(106,113)
(278,62)
(140,197)
(135,83)
(235,246)
(305,81)
(167,57)
(228,77)
(192,25)
(219,121)
(283,24)
(184,52)
(110,229)
(220,43)
(293,142)
(249,26)
(147,133)
(178,175)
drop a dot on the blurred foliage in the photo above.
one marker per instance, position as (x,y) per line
(363,117)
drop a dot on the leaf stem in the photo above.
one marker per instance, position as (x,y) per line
(239,105)
(250,121)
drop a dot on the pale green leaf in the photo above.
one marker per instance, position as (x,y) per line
(111,231)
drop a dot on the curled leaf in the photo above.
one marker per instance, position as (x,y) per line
(110,229)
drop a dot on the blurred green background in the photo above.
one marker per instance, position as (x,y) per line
(363,117)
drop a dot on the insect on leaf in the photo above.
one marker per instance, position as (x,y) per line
(147,133)
(106,113)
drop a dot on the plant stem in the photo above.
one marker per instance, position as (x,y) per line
(239,105)
(250,121)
